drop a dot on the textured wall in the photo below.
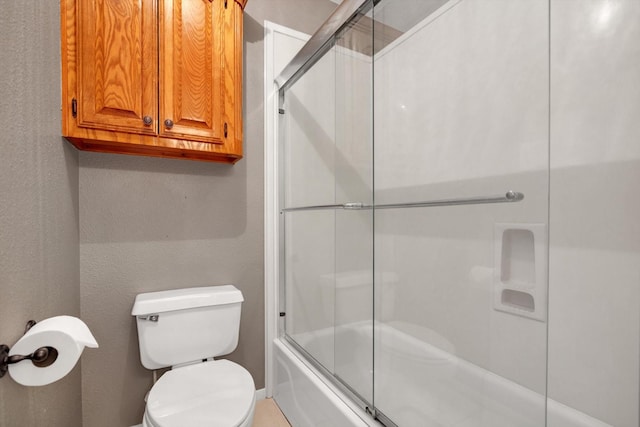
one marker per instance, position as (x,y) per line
(150,224)
(39,272)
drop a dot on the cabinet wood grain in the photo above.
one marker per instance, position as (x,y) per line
(153,77)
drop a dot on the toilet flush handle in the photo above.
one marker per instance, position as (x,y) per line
(150,317)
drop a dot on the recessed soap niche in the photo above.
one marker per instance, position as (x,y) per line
(520,270)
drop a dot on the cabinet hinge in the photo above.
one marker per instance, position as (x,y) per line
(225,130)
(74,107)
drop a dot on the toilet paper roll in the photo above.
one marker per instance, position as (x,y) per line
(69,335)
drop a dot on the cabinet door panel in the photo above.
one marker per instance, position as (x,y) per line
(232,78)
(190,69)
(117,65)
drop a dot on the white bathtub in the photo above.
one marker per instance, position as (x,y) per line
(436,388)
(307,399)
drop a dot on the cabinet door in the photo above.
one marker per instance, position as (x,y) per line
(117,65)
(191,61)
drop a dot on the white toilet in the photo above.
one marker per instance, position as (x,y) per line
(185,329)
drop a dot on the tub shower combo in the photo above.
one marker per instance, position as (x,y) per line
(419,144)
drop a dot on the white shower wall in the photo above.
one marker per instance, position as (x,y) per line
(463,96)
(462,111)
(479,125)
(594,283)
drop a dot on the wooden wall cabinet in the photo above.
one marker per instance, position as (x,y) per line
(153,77)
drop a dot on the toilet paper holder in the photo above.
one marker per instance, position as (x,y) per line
(42,357)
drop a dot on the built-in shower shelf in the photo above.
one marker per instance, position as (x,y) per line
(520,270)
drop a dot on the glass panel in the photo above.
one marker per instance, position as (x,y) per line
(328,254)
(309,278)
(354,228)
(309,137)
(461,110)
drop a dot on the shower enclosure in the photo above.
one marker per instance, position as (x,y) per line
(414,161)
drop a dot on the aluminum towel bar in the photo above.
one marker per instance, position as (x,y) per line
(509,197)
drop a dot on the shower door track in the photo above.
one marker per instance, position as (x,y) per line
(320,42)
(509,197)
(343,386)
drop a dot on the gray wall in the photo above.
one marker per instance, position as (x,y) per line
(39,271)
(150,224)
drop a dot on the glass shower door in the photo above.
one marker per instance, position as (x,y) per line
(354,227)
(326,160)
(414,205)
(461,194)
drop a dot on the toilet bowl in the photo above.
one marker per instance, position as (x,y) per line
(213,394)
(185,329)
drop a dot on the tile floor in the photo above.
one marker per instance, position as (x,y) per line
(269,415)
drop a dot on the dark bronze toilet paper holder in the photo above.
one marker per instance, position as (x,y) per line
(42,357)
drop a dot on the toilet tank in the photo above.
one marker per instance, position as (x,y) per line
(187,325)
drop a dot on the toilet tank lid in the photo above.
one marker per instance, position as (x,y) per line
(181,299)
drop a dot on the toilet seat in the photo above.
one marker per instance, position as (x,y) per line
(219,393)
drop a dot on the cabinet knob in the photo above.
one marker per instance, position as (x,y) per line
(147,120)
(168,123)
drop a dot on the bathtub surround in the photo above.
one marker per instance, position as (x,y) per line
(39,256)
(541,96)
(594,263)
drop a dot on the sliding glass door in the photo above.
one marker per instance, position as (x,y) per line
(326,161)
(461,119)
(414,160)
